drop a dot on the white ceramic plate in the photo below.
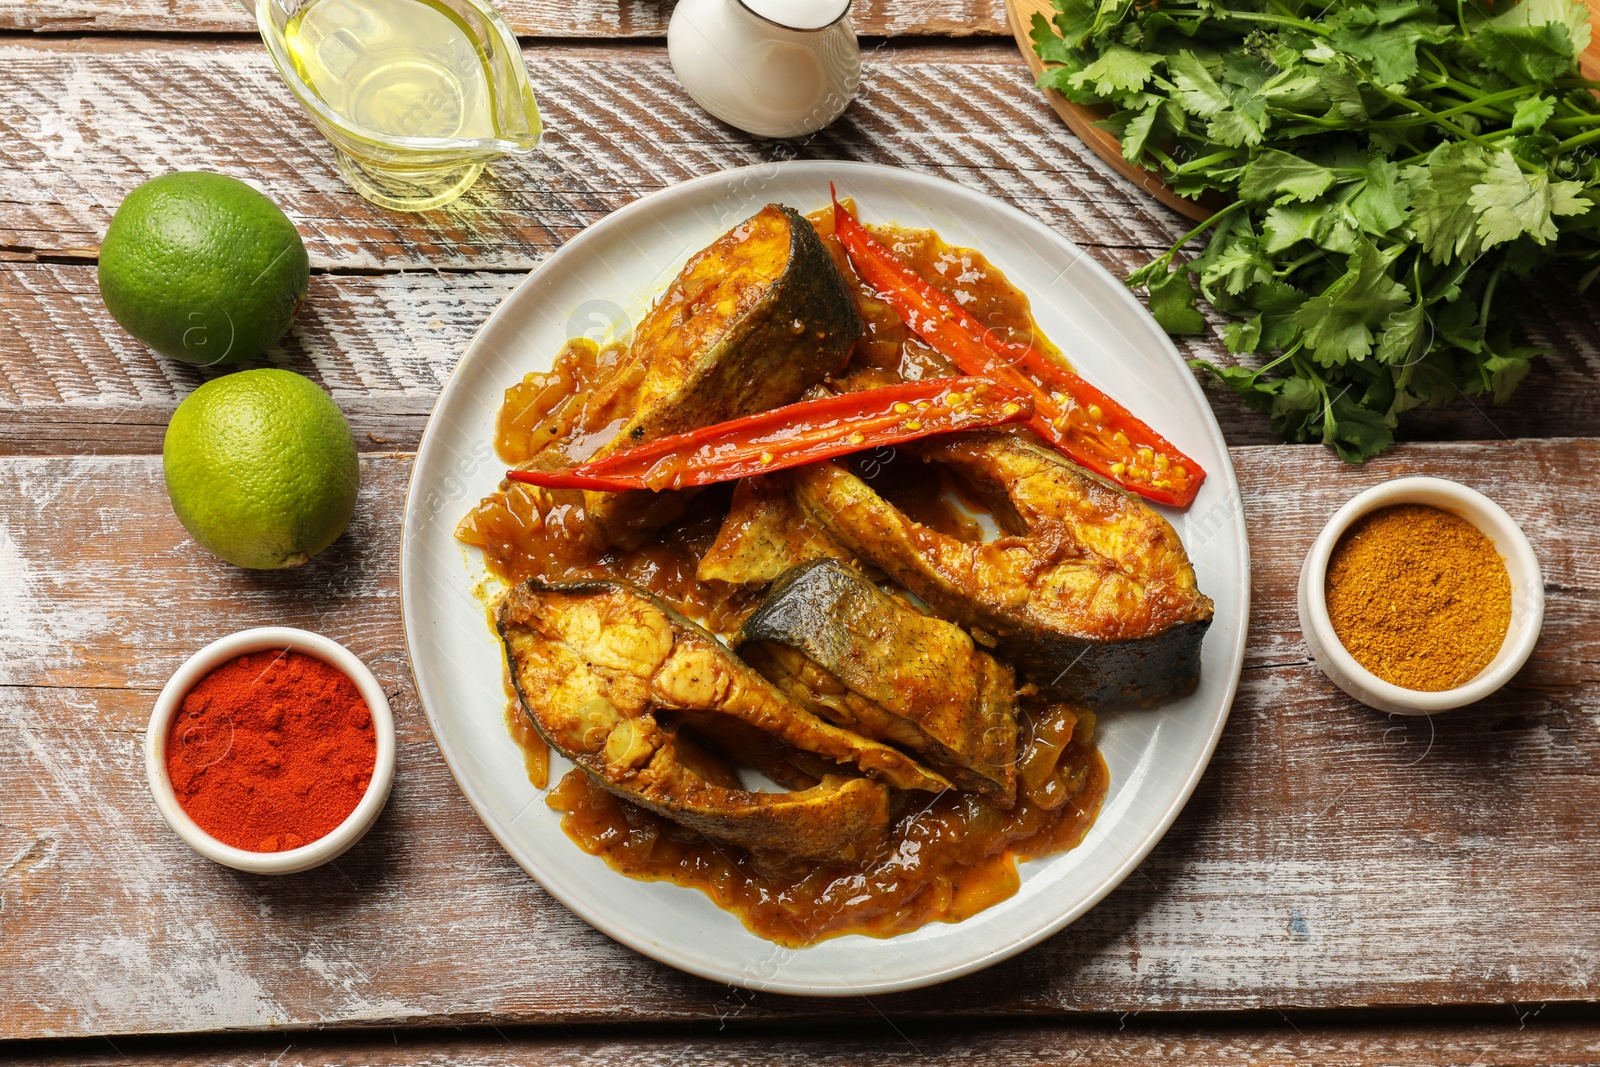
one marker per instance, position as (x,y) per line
(605,278)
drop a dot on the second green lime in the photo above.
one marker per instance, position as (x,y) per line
(203,268)
(261,468)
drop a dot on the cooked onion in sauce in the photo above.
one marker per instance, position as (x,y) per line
(948,858)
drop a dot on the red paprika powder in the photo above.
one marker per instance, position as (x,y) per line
(271,750)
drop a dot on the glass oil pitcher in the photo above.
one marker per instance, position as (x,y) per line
(415,95)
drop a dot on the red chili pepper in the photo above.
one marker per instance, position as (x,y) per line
(1074,416)
(791,436)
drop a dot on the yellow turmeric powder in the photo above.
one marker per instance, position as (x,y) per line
(1418,596)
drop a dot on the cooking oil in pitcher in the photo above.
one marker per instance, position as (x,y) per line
(416,95)
(405,68)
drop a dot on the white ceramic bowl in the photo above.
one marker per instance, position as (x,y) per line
(214,655)
(1527,597)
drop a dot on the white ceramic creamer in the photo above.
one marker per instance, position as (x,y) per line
(774,68)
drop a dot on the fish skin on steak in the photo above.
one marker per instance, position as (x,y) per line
(1092,596)
(599,667)
(840,646)
(750,323)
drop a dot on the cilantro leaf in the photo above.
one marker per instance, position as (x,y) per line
(1117,70)
(1243,335)
(1355,432)
(1075,20)
(1254,390)
(1277,302)
(1430,381)
(1294,89)
(1338,322)
(1297,408)
(1197,91)
(1051,48)
(1342,88)
(1532,113)
(1443,215)
(1458,326)
(1539,54)
(1330,226)
(1172,302)
(1503,373)
(1404,336)
(1513,204)
(1137,132)
(1386,37)
(1534,41)
(1234,266)
(1238,126)
(1383,201)
(1273,172)
(1572,14)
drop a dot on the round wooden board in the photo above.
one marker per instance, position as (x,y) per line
(1081,120)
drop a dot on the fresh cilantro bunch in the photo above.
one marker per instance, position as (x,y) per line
(1383,170)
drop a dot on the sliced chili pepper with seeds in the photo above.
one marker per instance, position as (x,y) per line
(796,434)
(1081,421)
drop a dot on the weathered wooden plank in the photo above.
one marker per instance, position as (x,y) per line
(85,124)
(1522,1037)
(72,381)
(529,18)
(1332,857)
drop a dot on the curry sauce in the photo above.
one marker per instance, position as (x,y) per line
(947,857)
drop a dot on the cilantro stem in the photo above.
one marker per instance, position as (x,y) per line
(1488,295)
(1470,107)
(1205,161)
(1206,225)
(1287,353)
(1573,142)
(1493,100)
(1315,120)
(1461,132)
(1164,261)
(1253,16)
(1569,105)
(1297,264)
(1457,78)
(1468,90)
(1451,75)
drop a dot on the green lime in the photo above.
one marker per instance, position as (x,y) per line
(261,468)
(202,268)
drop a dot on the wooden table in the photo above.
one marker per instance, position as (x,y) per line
(1344,887)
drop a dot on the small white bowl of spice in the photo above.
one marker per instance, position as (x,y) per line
(271,750)
(1421,595)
